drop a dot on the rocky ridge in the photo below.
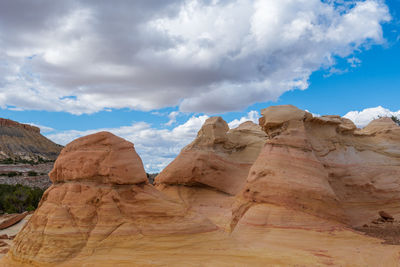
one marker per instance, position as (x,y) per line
(24,142)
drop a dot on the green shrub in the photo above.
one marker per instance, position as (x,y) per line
(12,174)
(17,160)
(19,198)
(7,161)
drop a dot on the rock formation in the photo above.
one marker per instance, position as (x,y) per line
(213,168)
(218,158)
(100,198)
(8,220)
(297,190)
(326,167)
(22,141)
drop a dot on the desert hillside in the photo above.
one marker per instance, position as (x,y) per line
(24,142)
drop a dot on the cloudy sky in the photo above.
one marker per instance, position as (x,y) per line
(152,71)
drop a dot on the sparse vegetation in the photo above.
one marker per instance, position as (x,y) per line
(32,173)
(12,174)
(396,120)
(19,198)
(10,161)
(7,161)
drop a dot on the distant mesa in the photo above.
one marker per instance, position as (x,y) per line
(24,142)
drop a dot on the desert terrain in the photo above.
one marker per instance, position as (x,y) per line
(295,190)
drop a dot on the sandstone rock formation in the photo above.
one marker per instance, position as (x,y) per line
(218,158)
(326,167)
(213,168)
(25,141)
(299,192)
(99,199)
(102,158)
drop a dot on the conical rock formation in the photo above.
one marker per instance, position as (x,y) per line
(218,158)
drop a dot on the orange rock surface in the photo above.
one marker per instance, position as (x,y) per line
(326,167)
(86,212)
(11,219)
(213,168)
(102,157)
(219,158)
(308,182)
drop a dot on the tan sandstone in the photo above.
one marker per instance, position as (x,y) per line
(305,183)
(87,212)
(218,158)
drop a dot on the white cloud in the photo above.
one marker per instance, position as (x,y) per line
(354,62)
(172,118)
(363,117)
(203,56)
(251,116)
(156,147)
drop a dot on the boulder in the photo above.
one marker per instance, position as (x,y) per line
(386,216)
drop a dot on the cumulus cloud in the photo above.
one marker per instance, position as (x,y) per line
(172,118)
(363,117)
(251,116)
(203,56)
(156,147)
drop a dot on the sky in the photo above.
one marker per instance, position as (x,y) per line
(153,71)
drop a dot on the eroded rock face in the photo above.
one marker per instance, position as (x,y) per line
(105,202)
(102,157)
(307,189)
(325,166)
(219,158)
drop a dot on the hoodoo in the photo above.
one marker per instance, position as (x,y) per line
(219,158)
(99,200)
(211,170)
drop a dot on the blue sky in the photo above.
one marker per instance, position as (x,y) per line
(68,71)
